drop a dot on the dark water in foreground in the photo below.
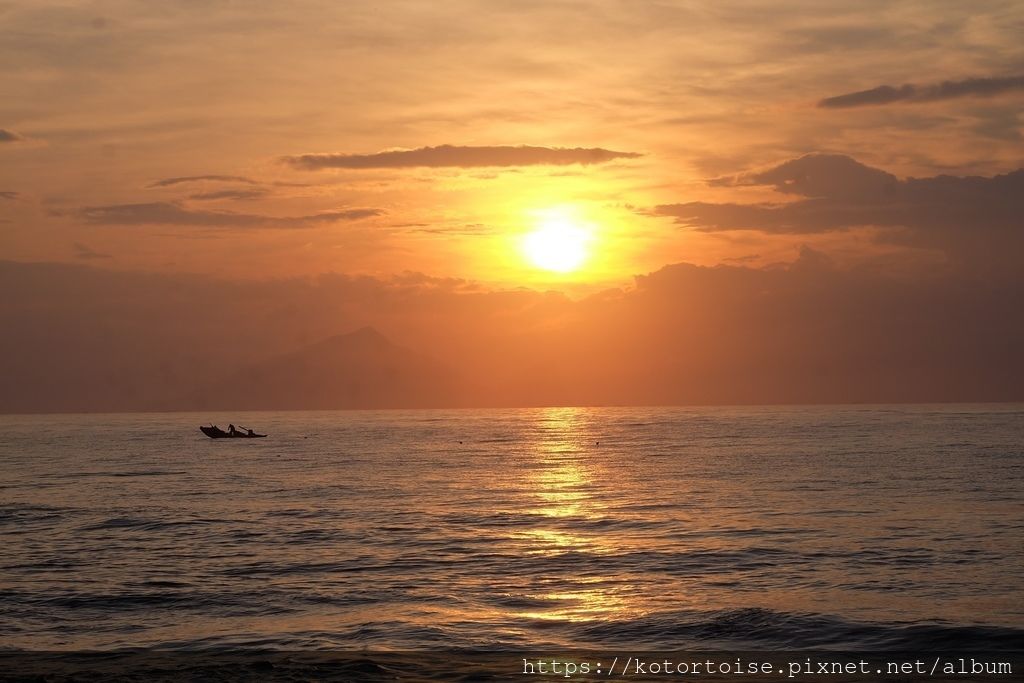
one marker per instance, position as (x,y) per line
(858,527)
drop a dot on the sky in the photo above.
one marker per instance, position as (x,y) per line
(603,196)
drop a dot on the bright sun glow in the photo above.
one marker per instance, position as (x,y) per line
(559,243)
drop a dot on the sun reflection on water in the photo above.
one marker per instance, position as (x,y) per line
(566,482)
(562,488)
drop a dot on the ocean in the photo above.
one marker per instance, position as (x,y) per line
(856,527)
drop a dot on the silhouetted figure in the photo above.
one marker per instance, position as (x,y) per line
(231,430)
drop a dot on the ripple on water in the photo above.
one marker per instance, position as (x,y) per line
(756,528)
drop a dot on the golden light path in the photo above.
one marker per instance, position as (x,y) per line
(564,487)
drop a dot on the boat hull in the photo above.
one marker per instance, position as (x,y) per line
(215,433)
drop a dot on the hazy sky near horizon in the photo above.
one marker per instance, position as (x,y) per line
(262,139)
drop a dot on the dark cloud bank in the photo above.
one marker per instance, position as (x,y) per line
(975,221)
(461,157)
(932,92)
(84,339)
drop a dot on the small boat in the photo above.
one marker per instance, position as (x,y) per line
(218,433)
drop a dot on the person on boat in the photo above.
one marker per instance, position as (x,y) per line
(250,432)
(232,431)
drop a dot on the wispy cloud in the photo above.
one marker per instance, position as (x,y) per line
(461,157)
(8,194)
(173,213)
(167,182)
(84,251)
(946,90)
(255,193)
(9,136)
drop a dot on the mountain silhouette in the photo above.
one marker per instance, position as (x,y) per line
(362,369)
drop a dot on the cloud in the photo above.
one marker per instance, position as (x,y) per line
(9,136)
(84,251)
(1000,123)
(947,90)
(445,156)
(818,175)
(167,182)
(173,213)
(973,219)
(8,194)
(255,193)
(456,229)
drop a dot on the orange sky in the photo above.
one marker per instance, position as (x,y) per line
(849,166)
(106,101)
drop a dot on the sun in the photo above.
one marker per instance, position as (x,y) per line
(559,243)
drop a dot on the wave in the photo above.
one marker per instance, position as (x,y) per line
(143,524)
(758,628)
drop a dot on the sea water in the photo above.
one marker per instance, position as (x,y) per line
(850,527)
